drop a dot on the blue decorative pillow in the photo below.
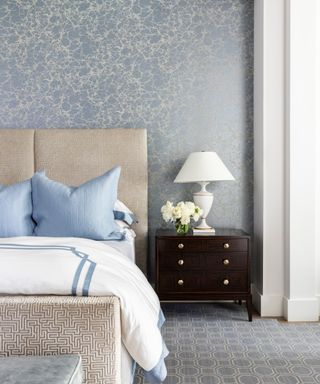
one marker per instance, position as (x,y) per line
(127,217)
(85,211)
(123,213)
(16,210)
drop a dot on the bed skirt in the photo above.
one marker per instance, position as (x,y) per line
(57,325)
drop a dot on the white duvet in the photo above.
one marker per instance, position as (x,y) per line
(75,266)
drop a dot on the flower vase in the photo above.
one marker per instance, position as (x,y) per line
(182,229)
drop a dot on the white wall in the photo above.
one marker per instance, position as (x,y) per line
(300,302)
(286,160)
(268,288)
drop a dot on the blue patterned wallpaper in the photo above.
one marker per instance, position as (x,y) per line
(181,68)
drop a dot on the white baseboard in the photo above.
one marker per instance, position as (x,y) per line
(267,305)
(301,309)
(292,310)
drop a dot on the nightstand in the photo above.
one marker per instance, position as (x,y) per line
(191,267)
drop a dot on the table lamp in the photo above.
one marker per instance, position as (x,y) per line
(202,168)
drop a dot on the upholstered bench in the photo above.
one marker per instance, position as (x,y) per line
(64,369)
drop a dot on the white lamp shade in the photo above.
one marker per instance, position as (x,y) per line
(203,166)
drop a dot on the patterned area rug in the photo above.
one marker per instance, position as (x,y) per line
(214,343)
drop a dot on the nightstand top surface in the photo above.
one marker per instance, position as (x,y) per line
(220,232)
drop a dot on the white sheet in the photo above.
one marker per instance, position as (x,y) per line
(64,266)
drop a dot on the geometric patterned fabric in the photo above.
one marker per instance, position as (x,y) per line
(58,325)
(215,344)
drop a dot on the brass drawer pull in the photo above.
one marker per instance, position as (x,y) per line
(226,245)
(226,282)
(180,282)
(180,246)
(180,262)
(226,262)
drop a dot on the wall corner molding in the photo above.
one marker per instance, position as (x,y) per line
(286,223)
(306,309)
(267,305)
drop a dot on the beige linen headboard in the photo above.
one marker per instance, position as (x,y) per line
(74,156)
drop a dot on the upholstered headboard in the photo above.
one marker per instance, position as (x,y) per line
(74,156)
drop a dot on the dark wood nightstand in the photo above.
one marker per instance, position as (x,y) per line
(191,267)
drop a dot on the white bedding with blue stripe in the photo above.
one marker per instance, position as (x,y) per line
(75,266)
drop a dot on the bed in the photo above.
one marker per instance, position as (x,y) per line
(90,326)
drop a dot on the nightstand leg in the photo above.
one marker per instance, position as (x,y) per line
(249,307)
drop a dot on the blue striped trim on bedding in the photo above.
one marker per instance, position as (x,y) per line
(127,217)
(83,256)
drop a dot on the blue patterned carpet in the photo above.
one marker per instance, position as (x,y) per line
(214,343)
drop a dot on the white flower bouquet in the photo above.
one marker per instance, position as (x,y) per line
(181,214)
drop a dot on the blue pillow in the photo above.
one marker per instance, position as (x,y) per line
(123,213)
(127,217)
(85,211)
(16,210)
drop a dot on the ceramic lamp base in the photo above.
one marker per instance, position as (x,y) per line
(204,226)
(204,200)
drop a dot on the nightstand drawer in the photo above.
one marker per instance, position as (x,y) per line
(226,261)
(186,281)
(176,261)
(204,261)
(229,245)
(180,245)
(226,282)
(180,281)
